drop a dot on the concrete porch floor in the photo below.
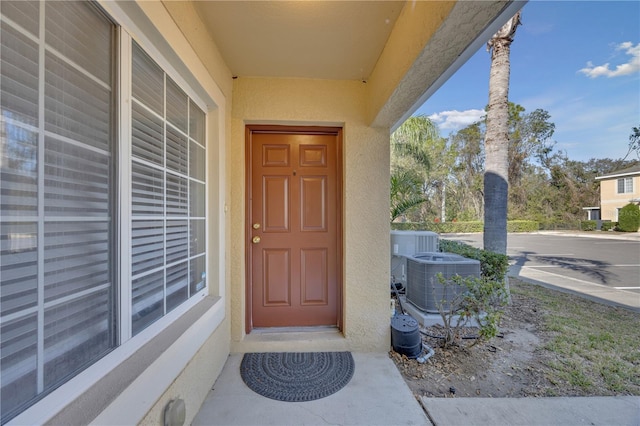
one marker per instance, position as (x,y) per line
(376,395)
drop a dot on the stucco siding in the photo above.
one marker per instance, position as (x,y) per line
(611,200)
(195,33)
(197,378)
(365,201)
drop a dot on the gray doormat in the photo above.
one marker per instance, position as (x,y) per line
(297,376)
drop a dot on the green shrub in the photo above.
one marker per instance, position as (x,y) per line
(484,297)
(462,227)
(522,226)
(554,225)
(588,225)
(440,227)
(481,299)
(592,225)
(629,218)
(493,266)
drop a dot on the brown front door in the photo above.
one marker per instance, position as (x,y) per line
(293,226)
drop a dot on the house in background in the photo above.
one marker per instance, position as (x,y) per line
(593,213)
(618,189)
(182,180)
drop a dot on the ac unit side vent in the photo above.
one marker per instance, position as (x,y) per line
(412,242)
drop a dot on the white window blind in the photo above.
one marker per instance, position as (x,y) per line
(57,290)
(625,185)
(168,190)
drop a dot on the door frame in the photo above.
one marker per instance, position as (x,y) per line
(309,130)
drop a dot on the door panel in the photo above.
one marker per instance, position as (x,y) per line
(276,280)
(313,203)
(314,277)
(275,155)
(275,202)
(313,156)
(293,227)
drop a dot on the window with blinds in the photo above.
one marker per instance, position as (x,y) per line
(167,193)
(625,185)
(57,192)
(59,258)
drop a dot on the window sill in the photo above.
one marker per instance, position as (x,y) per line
(124,385)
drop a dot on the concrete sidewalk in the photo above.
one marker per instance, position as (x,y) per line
(565,411)
(629,236)
(378,395)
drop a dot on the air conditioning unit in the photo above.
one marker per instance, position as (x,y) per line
(408,243)
(424,290)
(412,242)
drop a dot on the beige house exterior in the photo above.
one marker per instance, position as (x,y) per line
(618,189)
(329,67)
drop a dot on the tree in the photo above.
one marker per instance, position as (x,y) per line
(406,192)
(634,142)
(529,137)
(414,144)
(466,177)
(531,154)
(409,140)
(496,184)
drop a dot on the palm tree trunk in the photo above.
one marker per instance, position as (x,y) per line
(443,205)
(496,176)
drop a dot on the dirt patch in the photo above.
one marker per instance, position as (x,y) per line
(511,365)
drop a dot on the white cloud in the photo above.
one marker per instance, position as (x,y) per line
(456,120)
(633,66)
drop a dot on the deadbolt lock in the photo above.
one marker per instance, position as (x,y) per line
(256,226)
(256,240)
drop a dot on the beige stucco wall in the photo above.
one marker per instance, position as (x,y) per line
(196,380)
(611,201)
(191,26)
(366,203)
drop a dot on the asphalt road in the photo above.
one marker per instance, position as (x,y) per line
(584,261)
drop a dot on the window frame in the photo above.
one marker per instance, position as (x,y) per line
(124,58)
(626,183)
(154,44)
(126,216)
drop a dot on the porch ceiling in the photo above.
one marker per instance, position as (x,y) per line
(336,40)
(405,50)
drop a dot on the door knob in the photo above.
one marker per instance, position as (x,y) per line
(256,240)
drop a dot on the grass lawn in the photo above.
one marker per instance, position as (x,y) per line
(589,345)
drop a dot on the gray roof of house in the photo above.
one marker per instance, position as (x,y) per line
(633,170)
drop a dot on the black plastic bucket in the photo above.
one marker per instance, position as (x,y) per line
(405,336)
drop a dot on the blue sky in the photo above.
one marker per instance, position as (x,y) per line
(578,60)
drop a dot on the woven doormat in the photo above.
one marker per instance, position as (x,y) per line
(297,376)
